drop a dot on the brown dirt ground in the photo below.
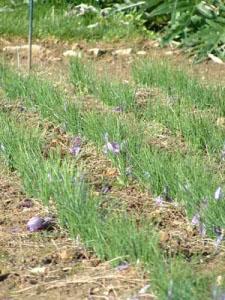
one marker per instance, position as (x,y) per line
(66,270)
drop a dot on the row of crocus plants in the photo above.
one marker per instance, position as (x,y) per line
(110,235)
(194,176)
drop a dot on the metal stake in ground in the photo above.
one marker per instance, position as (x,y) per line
(30,34)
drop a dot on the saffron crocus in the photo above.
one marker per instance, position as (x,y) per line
(38,223)
(105,189)
(76,146)
(158,200)
(117,109)
(112,147)
(219,194)
(122,266)
(196,220)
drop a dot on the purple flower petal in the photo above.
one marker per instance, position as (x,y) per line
(37,223)
(76,146)
(75,150)
(219,194)
(113,147)
(196,220)
(117,109)
(105,189)
(122,266)
(159,200)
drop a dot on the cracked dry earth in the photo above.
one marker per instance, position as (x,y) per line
(48,264)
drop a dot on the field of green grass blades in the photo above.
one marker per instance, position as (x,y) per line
(187,175)
(55,21)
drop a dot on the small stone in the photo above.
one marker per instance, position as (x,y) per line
(141,53)
(169,53)
(72,53)
(96,52)
(215,59)
(122,52)
(38,270)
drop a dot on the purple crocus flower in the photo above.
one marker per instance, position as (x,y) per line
(219,194)
(117,109)
(111,146)
(76,146)
(196,220)
(105,189)
(122,266)
(37,223)
(159,200)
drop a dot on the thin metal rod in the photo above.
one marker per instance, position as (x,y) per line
(30,34)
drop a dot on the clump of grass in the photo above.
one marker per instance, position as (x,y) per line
(111,92)
(176,83)
(41,96)
(194,109)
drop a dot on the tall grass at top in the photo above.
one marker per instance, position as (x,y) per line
(184,114)
(113,93)
(176,83)
(53,21)
(193,107)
